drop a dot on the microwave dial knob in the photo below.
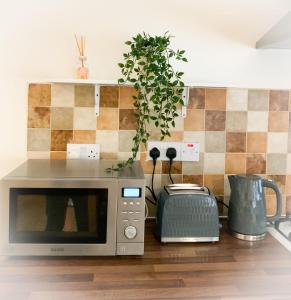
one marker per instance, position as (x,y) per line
(130,232)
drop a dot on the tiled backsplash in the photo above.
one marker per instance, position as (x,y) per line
(239,131)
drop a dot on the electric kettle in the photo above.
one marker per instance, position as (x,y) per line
(247,218)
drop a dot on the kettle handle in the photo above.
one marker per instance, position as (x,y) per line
(271,184)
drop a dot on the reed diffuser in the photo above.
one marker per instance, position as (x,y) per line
(82,71)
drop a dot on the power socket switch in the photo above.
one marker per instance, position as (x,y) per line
(83,151)
(190,151)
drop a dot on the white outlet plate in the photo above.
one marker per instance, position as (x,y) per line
(185,151)
(83,151)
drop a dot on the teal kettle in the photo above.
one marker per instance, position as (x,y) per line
(247,217)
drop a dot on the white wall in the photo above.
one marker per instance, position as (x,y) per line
(37,43)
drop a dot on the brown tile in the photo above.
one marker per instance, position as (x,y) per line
(38,117)
(270,204)
(288,205)
(235,163)
(196,179)
(279,100)
(215,183)
(84,137)
(280,180)
(196,98)
(62,118)
(39,95)
(59,155)
(214,120)
(147,165)
(256,163)
(108,155)
(125,97)
(215,99)
(60,139)
(194,120)
(109,96)
(256,142)
(235,142)
(176,136)
(176,167)
(278,121)
(85,95)
(107,119)
(127,120)
(288,185)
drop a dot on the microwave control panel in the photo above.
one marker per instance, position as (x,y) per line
(131,218)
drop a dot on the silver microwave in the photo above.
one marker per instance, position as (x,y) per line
(72,207)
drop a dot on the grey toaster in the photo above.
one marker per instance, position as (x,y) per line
(187,213)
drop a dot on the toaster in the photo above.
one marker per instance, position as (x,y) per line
(187,213)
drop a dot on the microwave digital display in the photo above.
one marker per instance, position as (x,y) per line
(131,192)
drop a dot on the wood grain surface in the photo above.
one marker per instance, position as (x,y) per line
(229,269)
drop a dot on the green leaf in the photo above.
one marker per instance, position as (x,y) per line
(128,43)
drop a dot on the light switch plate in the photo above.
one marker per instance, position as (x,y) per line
(83,151)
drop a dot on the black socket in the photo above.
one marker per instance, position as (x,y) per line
(171,153)
(154,153)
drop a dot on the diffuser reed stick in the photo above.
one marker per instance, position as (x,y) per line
(82,72)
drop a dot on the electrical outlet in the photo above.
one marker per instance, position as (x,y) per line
(83,151)
(185,151)
(163,146)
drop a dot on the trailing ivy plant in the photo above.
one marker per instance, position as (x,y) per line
(148,67)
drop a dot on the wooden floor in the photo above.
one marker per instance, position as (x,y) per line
(230,269)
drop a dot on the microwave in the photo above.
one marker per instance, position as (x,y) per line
(72,207)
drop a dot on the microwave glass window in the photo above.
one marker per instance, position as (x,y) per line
(58,215)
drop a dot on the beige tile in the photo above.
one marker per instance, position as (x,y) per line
(214,163)
(195,120)
(63,95)
(62,118)
(276,163)
(108,119)
(235,163)
(126,155)
(258,121)
(236,121)
(226,186)
(108,140)
(289,141)
(195,137)
(257,142)
(38,139)
(215,141)
(193,167)
(38,154)
(176,136)
(277,142)
(237,99)
(84,118)
(258,100)
(85,95)
(279,100)
(278,121)
(289,164)
(126,140)
(196,179)
(125,97)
